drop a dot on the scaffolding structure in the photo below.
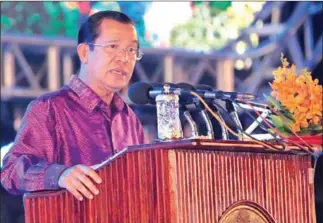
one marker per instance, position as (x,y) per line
(22,78)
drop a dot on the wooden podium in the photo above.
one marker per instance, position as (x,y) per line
(190,181)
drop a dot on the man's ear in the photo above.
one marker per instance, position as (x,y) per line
(83,52)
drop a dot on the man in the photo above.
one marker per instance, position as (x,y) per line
(65,132)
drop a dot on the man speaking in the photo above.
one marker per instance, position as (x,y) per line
(63,133)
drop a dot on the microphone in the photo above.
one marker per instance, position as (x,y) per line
(138,93)
(154,85)
(210,93)
(144,93)
(186,99)
(204,87)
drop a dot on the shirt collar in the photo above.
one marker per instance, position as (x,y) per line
(90,100)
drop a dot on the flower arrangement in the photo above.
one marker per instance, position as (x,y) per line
(296,100)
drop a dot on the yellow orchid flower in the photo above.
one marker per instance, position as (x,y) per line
(299,94)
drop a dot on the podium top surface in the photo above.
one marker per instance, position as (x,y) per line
(221,145)
(210,145)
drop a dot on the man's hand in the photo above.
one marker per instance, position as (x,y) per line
(78,181)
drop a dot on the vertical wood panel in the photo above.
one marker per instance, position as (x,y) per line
(186,186)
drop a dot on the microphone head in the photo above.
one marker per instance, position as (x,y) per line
(138,93)
(204,87)
(183,99)
(186,86)
(172,85)
(155,84)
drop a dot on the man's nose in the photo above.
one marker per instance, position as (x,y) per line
(123,55)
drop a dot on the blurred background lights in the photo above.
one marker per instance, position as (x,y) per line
(259,24)
(241,47)
(172,13)
(248,63)
(254,39)
(239,64)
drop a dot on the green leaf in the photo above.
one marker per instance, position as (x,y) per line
(288,115)
(273,102)
(278,122)
(311,130)
(316,127)
(280,125)
(33,19)
(52,9)
(276,104)
(198,2)
(6,21)
(307,132)
(223,5)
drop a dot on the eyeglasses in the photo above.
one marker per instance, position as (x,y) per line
(114,48)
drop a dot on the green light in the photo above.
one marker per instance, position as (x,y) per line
(6,21)
(19,7)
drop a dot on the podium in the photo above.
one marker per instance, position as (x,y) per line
(190,181)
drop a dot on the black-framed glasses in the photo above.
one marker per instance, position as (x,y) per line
(114,48)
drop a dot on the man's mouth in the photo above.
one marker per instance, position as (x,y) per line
(118,72)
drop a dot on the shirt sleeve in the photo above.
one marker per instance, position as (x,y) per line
(30,165)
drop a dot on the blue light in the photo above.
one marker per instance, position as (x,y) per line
(4,150)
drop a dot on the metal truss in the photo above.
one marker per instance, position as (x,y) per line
(280,35)
(31,66)
(24,79)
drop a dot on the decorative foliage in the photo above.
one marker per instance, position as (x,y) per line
(215,7)
(62,19)
(41,18)
(213,24)
(298,100)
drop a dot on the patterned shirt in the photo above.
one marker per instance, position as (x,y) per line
(64,128)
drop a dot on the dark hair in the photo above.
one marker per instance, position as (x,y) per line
(90,30)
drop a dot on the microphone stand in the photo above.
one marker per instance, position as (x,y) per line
(234,115)
(206,119)
(209,127)
(224,131)
(189,119)
(213,105)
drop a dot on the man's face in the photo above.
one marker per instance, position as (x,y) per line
(110,69)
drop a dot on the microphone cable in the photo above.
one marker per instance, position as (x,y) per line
(238,127)
(309,147)
(268,146)
(310,150)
